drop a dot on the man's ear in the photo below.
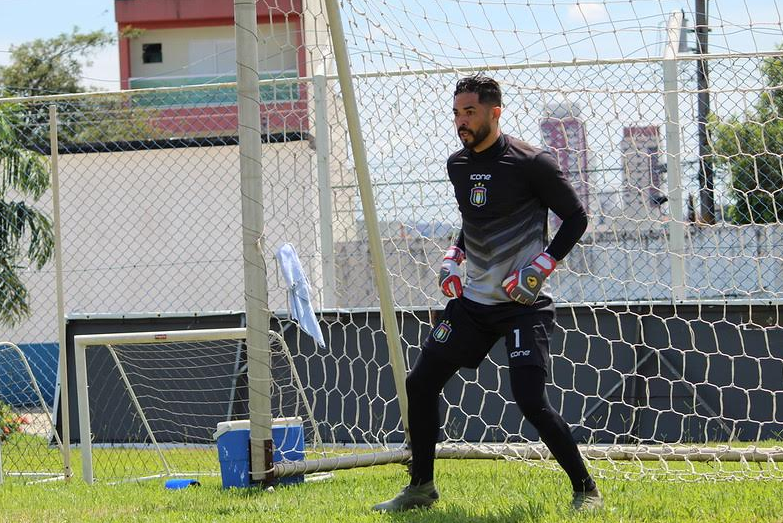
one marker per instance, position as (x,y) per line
(496,112)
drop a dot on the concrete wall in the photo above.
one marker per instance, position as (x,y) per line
(160,230)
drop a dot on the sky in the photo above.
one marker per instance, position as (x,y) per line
(25,20)
(539,28)
(424,34)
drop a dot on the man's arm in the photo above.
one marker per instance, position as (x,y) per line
(460,241)
(555,191)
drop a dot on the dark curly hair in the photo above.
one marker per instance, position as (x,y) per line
(487,89)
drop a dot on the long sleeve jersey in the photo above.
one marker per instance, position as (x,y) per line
(504,194)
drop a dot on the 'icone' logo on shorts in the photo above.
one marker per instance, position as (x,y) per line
(442,331)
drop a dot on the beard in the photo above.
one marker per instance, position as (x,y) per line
(473,138)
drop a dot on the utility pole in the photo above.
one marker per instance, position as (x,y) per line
(706,171)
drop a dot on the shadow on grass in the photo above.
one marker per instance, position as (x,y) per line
(529,511)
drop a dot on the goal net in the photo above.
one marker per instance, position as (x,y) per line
(668,349)
(151,402)
(668,309)
(30,450)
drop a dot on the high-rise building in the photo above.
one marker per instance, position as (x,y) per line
(564,135)
(643,191)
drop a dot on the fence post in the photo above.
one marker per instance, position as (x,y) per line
(673,157)
(65,415)
(324,191)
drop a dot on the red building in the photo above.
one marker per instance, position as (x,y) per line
(176,43)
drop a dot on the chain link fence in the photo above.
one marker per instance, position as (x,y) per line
(150,194)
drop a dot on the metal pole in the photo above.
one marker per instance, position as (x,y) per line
(706,171)
(673,157)
(65,415)
(256,296)
(324,191)
(368,204)
(85,437)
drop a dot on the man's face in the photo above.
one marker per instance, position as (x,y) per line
(475,122)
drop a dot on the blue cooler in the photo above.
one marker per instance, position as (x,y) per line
(288,440)
(233,443)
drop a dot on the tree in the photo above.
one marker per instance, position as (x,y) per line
(53,65)
(26,235)
(49,66)
(749,149)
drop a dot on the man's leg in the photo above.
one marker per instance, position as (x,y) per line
(423,384)
(528,386)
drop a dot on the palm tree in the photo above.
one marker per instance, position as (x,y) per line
(26,234)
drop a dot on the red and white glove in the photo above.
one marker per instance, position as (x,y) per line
(448,278)
(524,285)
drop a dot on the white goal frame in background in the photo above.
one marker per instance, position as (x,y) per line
(82,342)
(22,460)
(280,469)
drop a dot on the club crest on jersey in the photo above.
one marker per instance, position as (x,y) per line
(442,331)
(478,195)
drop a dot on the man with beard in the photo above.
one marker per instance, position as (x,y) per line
(504,189)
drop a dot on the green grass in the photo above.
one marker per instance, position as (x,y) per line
(471,491)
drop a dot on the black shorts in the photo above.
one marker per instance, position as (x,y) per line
(466,331)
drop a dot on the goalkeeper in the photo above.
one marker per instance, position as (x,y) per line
(504,188)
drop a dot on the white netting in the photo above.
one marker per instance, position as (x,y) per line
(155,405)
(644,355)
(29,449)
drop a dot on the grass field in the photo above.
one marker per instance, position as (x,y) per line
(471,491)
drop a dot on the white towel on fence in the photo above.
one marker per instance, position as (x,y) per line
(298,292)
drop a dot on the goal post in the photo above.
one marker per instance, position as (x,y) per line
(82,342)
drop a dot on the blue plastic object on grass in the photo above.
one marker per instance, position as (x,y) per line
(180,483)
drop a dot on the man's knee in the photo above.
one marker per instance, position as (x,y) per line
(418,382)
(528,388)
(428,376)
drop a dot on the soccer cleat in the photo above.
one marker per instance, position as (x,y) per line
(418,496)
(587,501)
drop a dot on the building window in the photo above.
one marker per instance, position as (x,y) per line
(152,53)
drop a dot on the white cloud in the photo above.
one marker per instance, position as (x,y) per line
(588,12)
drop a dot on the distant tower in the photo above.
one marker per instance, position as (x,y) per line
(643,193)
(564,135)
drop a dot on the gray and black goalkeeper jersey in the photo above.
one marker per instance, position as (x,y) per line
(504,193)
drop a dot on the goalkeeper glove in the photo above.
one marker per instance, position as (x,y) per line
(448,278)
(524,285)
